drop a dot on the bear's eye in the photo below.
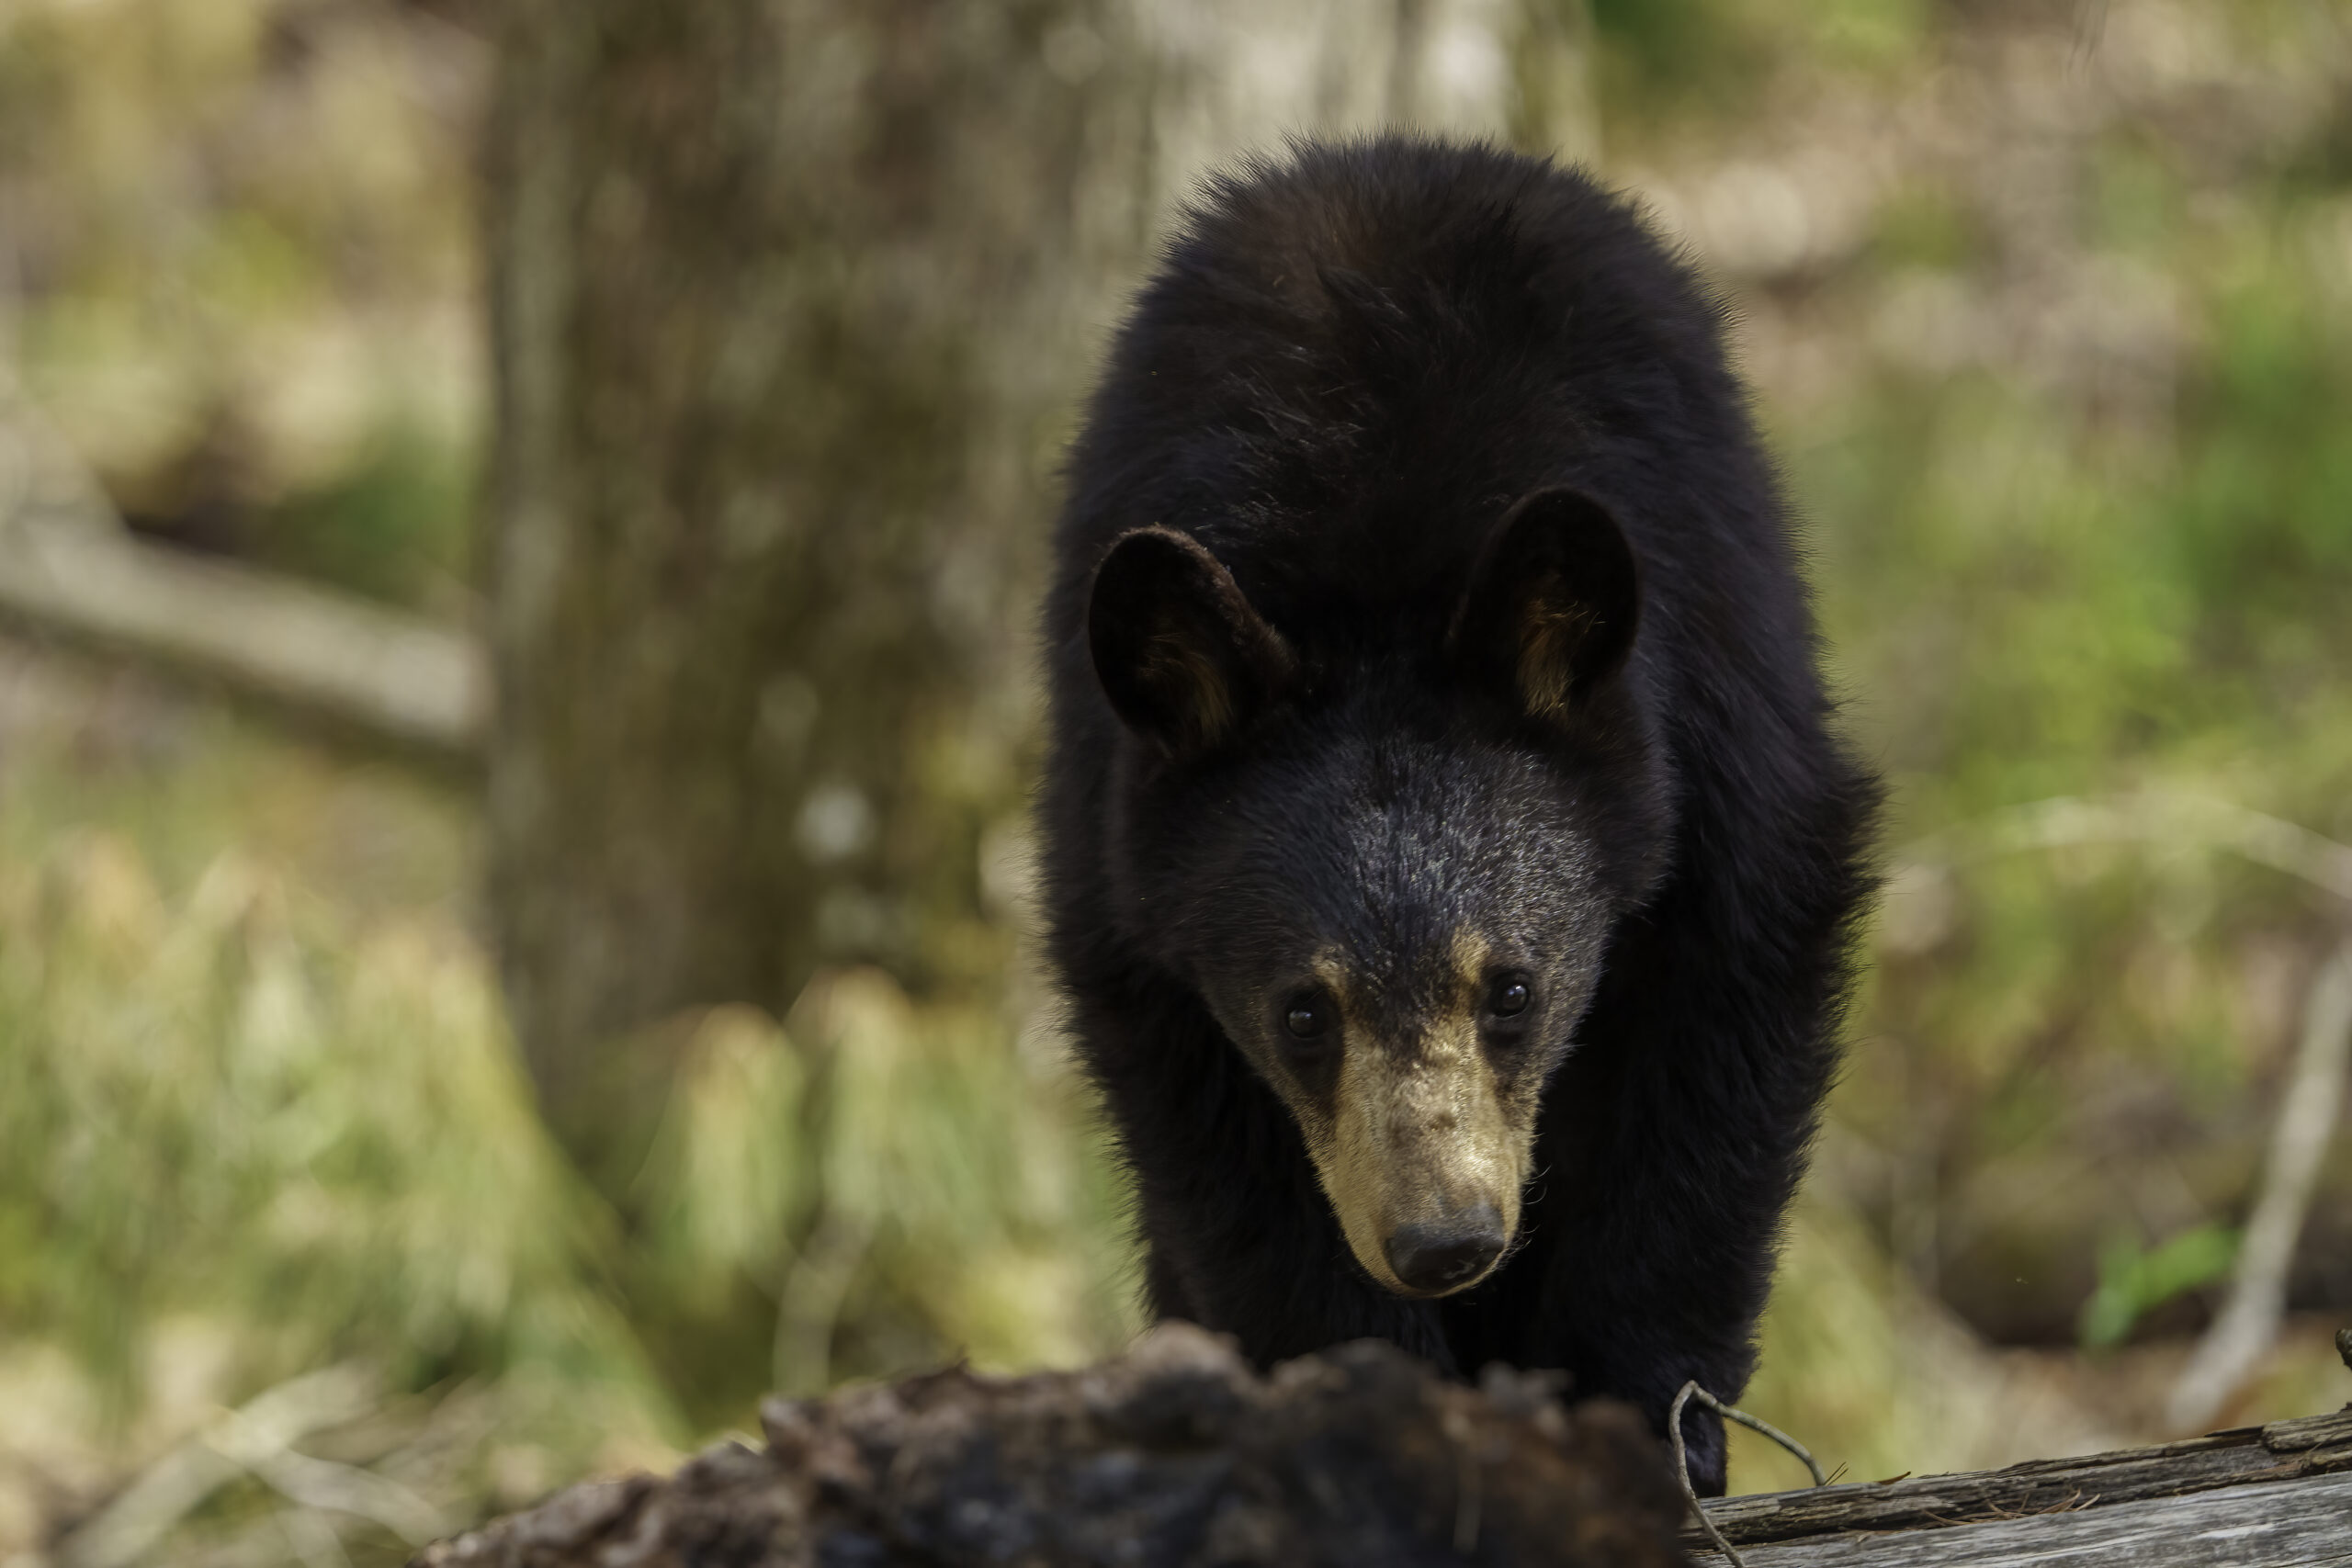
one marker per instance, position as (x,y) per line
(1308,1017)
(1510,995)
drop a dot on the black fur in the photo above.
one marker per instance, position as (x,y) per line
(1350,368)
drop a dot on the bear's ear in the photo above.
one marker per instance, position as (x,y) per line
(1184,659)
(1552,604)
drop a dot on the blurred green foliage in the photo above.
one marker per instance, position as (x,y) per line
(248,1134)
(391,524)
(2133,1280)
(215,1111)
(2033,594)
(1662,62)
(237,1099)
(882,1186)
(238,268)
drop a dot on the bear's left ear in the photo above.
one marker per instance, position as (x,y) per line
(1553,603)
(1182,654)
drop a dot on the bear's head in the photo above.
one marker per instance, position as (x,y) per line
(1391,878)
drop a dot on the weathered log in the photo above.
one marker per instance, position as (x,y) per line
(1174,1454)
(2254,1497)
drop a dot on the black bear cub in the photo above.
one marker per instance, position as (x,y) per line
(1449,864)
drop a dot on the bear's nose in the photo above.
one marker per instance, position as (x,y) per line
(1438,1257)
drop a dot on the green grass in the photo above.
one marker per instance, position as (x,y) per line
(243,1100)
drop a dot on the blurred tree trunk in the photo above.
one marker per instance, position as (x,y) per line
(746,257)
(790,302)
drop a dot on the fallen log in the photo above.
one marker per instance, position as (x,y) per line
(1174,1454)
(1177,1454)
(2274,1496)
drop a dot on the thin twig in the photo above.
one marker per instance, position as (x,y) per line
(1690,1391)
(1755,1423)
(1682,1474)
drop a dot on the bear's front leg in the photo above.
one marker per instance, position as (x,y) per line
(1675,1137)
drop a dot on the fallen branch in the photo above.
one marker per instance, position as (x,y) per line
(395,678)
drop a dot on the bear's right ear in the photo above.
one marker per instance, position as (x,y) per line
(1553,604)
(1184,659)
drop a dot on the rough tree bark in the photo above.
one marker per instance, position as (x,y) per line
(1171,1456)
(790,302)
